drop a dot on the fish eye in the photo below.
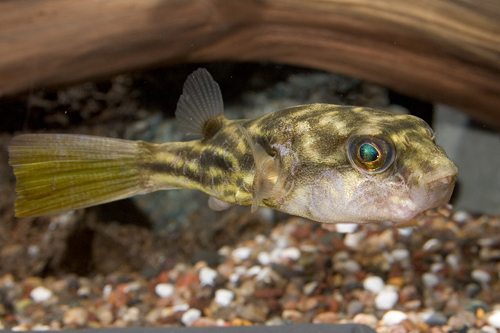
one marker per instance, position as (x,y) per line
(370,154)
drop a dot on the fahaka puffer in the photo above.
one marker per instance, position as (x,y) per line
(327,163)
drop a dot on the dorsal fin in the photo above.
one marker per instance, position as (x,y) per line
(200,102)
(266,172)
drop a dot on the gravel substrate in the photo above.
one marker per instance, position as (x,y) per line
(440,277)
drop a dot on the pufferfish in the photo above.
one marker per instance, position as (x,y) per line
(328,163)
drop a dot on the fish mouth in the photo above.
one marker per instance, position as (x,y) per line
(441,180)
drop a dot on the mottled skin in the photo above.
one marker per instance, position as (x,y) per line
(325,162)
(309,145)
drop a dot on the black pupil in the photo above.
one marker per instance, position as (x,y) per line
(368,153)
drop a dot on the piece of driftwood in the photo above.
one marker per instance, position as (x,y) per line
(438,50)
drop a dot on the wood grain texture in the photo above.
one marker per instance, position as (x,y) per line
(438,50)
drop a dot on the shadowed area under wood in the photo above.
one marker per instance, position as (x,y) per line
(441,50)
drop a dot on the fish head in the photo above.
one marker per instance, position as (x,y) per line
(387,169)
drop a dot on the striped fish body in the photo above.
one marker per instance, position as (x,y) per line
(325,162)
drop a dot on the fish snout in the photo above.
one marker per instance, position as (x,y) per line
(444,177)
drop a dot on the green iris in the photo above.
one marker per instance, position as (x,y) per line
(368,153)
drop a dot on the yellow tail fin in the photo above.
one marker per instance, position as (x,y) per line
(60,172)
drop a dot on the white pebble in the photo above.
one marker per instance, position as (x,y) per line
(386,299)
(436,267)
(190,316)
(461,216)
(264,258)
(480,276)
(242,253)
(224,297)
(351,266)
(405,232)
(164,290)
(265,274)
(375,284)
(254,270)
(494,319)
(430,280)
(452,260)
(260,239)
(430,244)
(292,253)
(131,315)
(40,294)
(107,290)
(346,228)
(180,307)
(400,254)
(393,317)
(207,276)
(488,329)
(352,240)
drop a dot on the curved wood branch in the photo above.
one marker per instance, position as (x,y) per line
(438,50)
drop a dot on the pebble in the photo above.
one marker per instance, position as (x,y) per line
(346,228)
(431,244)
(41,294)
(393,317)
(292,253)
(164,290)
(430,280)
(436,319)
(242,253)
(386,299)
(494,319)
(375,284)
(131,315)
(224,297)
(190,316)
(75,316)
(400,254)
(264,258)
(207,276)
(352,240)
(365,319)
(325,318)
(481,276)
(354,307)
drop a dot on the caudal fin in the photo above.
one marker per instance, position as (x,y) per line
(61,172)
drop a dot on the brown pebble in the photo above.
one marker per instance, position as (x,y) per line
(292,315)
(204,322)
(268,293)
(253,313)
(240,322)
(75,316)
(325,318)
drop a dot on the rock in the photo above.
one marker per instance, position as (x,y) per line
(481,276)
(207,276)
(190,316)
(494,319)
(393,317)
(386,299)
(224,297)
(75,316)
(325,318)
(436,319)
(375,284)
(40,294)
(430,280)
(354,307)
(164,290)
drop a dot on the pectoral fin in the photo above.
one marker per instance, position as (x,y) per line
(266,172)
(218,205)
